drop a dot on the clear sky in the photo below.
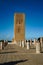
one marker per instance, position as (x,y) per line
(33,10)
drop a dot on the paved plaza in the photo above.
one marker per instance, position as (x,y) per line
(15,55)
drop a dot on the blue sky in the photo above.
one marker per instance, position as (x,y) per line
(33,10)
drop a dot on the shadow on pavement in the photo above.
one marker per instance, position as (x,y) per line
(14,62)
(8,52)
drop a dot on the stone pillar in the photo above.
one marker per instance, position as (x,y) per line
(28,45)
(22,43)
(18,42)
(4,41)
(35,42)
(1,45)
(25,43)
(38,47)
(41,41)
(30,42)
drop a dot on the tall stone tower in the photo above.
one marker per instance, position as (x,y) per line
(19,26)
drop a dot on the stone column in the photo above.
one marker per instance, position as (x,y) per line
(35,42)
(28,45)
(41,41)
(1,45)
(22,43)
(4,41)
(38,47)
(30,42)
(18,42)
(25,43)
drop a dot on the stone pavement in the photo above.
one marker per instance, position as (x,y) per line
(15,55)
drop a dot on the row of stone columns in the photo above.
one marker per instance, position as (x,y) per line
(22,44)
(37,45)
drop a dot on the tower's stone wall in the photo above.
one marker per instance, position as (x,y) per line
(19,26)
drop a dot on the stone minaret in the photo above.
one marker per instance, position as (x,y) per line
(19,26)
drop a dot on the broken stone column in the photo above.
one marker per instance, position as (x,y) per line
(35,42)
(30,42)
(23,44)
(20,43)
(28,45)
(38,47)
(25,41)
(0,45)
(41,41)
